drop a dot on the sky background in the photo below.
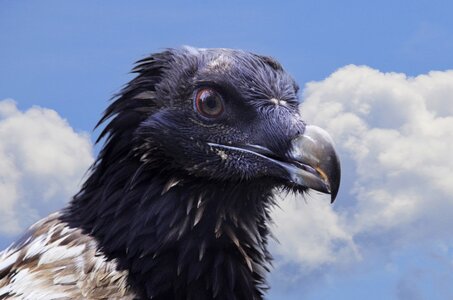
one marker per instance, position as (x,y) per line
(378,76)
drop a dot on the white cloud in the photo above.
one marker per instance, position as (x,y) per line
(42,161)
(394,134)
(311,233)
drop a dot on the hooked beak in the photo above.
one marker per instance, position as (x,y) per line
(317,165)
(311,161)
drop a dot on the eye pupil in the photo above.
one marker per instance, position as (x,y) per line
(209,103)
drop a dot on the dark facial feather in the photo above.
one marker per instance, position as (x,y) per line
(184,219)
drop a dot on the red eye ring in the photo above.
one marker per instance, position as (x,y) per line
(209,103)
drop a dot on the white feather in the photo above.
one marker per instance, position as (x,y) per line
(59,253)
(36,247)
(59,262)
(8,260)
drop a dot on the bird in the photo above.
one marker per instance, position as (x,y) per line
(177,203)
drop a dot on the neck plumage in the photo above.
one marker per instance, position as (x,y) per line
(179,237)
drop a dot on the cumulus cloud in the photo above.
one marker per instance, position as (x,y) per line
(42,161)
(394,134)
(311,233)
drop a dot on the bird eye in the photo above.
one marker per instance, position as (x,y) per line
(209,103)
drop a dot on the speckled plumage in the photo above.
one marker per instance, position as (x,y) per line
(54,261)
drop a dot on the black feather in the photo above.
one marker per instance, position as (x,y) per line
(204,237)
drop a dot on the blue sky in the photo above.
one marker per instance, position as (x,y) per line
(373,60)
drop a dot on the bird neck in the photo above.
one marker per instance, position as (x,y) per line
(179,237)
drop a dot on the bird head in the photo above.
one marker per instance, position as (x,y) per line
(221,115)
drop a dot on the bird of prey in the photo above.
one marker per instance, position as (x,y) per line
(177,204)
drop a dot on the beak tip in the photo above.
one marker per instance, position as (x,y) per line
(335,181)
(333,196)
